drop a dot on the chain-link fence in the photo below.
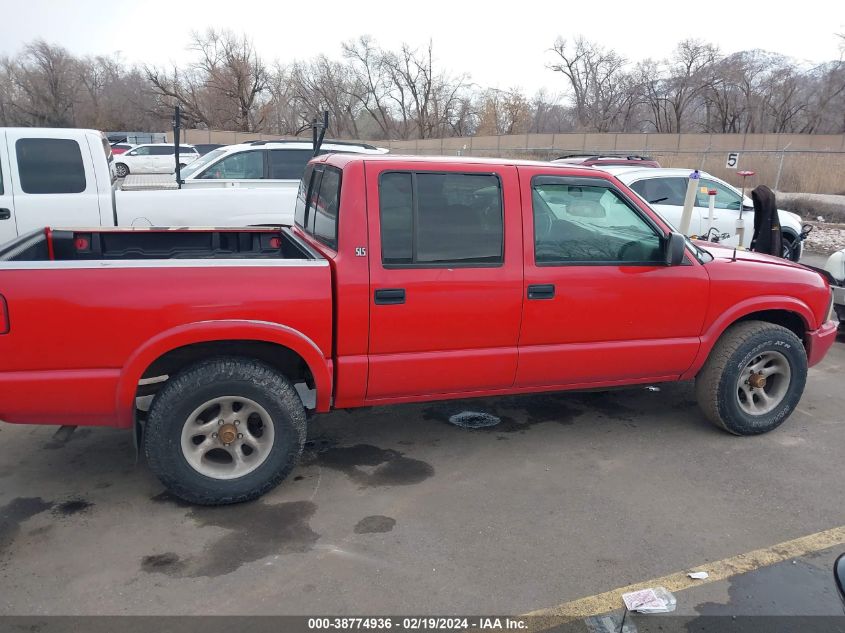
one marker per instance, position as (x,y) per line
(786,162)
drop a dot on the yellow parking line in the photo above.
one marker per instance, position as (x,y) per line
(718,570)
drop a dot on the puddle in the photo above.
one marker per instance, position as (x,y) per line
(16,512)
(369,465)
(375,524)
(253,531)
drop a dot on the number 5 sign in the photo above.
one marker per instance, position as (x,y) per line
(733,161)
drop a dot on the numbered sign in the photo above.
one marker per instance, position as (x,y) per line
(733,161)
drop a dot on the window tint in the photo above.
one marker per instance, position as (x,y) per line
(430,219)
(240,166)
(302,198)
(589,224)
(670,191)
(288,163)
(50,165)
(326,208)
(725,198)
(162,150)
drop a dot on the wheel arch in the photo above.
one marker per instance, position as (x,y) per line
(789,312)
(278,345)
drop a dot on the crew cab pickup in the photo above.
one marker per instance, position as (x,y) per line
(403,279)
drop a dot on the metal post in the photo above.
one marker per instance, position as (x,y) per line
(711,195)
(177,126)
(689,201)
(740,222)
(780,166)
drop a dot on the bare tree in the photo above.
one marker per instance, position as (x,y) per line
(45,80)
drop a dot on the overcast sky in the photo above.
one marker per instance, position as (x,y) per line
(501,44)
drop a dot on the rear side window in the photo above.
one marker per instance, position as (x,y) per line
(318,204)
(50,165)
(288,164)
(432,219)
(302,198)
(670,191)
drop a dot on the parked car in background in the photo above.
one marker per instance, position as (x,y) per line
(271,164)
(835,267)
(154,158)
(205,148)
(65,176)
(665,190)
(120,148)
(607,160)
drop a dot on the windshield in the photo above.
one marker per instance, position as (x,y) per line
(202,162)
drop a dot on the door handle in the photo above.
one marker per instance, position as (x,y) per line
(5,214)
(389,296)
(541,291)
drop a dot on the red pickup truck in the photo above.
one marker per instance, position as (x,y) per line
(404,279)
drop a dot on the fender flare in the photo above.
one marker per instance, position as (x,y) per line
(207,331)
(737,312)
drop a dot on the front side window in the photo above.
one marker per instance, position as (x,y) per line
(589,224)
(140,151)
(669,191)
(50,165)
(288,164)
(726,198)
(433,219)
(241,166)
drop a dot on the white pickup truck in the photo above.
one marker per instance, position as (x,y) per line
(65,177)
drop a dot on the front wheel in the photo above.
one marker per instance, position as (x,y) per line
(790,249)
(753,378)
(121,170)
(224,431)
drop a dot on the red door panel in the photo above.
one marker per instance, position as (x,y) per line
(456,328)
(607,322)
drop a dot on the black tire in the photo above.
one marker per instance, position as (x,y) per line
(121,170)
(717,384)
(790,248)
(200,383)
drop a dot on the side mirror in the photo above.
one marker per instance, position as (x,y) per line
(675,249)
(806,229)
(839,575)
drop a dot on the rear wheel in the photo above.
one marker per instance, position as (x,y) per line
(753,379)
(224,431)
(121,170)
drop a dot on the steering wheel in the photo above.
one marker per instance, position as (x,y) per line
(623,252)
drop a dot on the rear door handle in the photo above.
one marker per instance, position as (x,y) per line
(389,296)
(541,291)
(5,214)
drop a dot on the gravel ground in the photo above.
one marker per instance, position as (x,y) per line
(826,239)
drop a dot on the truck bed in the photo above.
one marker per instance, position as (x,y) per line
(85,314)
(152,243)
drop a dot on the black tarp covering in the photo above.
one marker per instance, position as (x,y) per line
(768,237)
